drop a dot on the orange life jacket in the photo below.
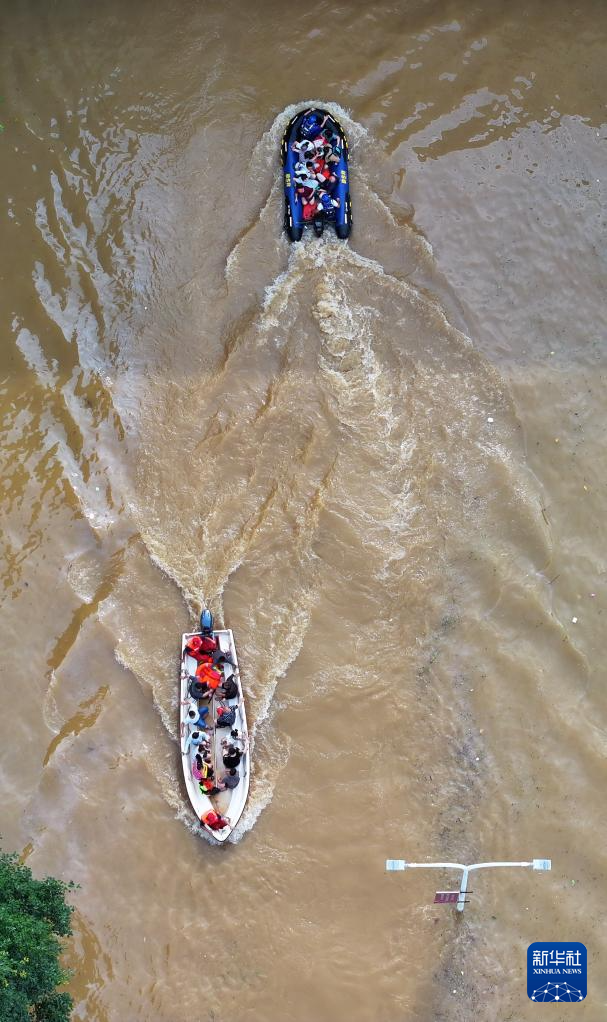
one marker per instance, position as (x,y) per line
(207,674)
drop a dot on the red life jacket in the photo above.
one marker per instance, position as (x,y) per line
(208,644)
(214,821)
(199,654)
(193,645)
(320,167)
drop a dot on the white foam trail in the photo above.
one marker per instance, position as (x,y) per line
(31,349)
(168,716)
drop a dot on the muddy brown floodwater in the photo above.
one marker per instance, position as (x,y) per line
(382,463)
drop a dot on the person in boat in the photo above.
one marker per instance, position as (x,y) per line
(229,780)
(317,165)
(207,774)
(325,148)
(238,736)
(199,690)
(202,768)
(219,658)
(209,675)
(312,166)
(324,175)
(206,681)
(304,148)
(195,715)
(325,202)
(199,646)
(308,204)
(195,737)
(313,173)
(312,124)
(215,820)
(208,787)
(197,765)
(306,179)
(226,715)
(231,755)
(228,688)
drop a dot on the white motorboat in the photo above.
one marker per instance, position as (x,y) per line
(200,731)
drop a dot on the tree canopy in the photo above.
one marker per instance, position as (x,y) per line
(33,916)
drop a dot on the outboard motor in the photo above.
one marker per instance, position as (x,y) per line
(206,622)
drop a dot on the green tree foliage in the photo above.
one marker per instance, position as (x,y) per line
(33,916)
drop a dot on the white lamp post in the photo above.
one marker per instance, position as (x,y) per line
(459,897)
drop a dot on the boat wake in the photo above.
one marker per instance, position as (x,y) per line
(329,457)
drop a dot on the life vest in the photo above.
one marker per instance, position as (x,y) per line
(193,645)
(201,655)
(208,644)
(213,820)
(206,673)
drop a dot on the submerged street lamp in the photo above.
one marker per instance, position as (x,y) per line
(458,898)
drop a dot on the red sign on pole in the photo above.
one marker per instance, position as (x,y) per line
(446,897)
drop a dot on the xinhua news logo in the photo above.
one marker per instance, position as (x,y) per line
(556,971)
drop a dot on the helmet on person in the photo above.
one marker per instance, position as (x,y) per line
(310,124)
(206,622)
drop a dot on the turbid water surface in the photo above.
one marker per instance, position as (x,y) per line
(381,463)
